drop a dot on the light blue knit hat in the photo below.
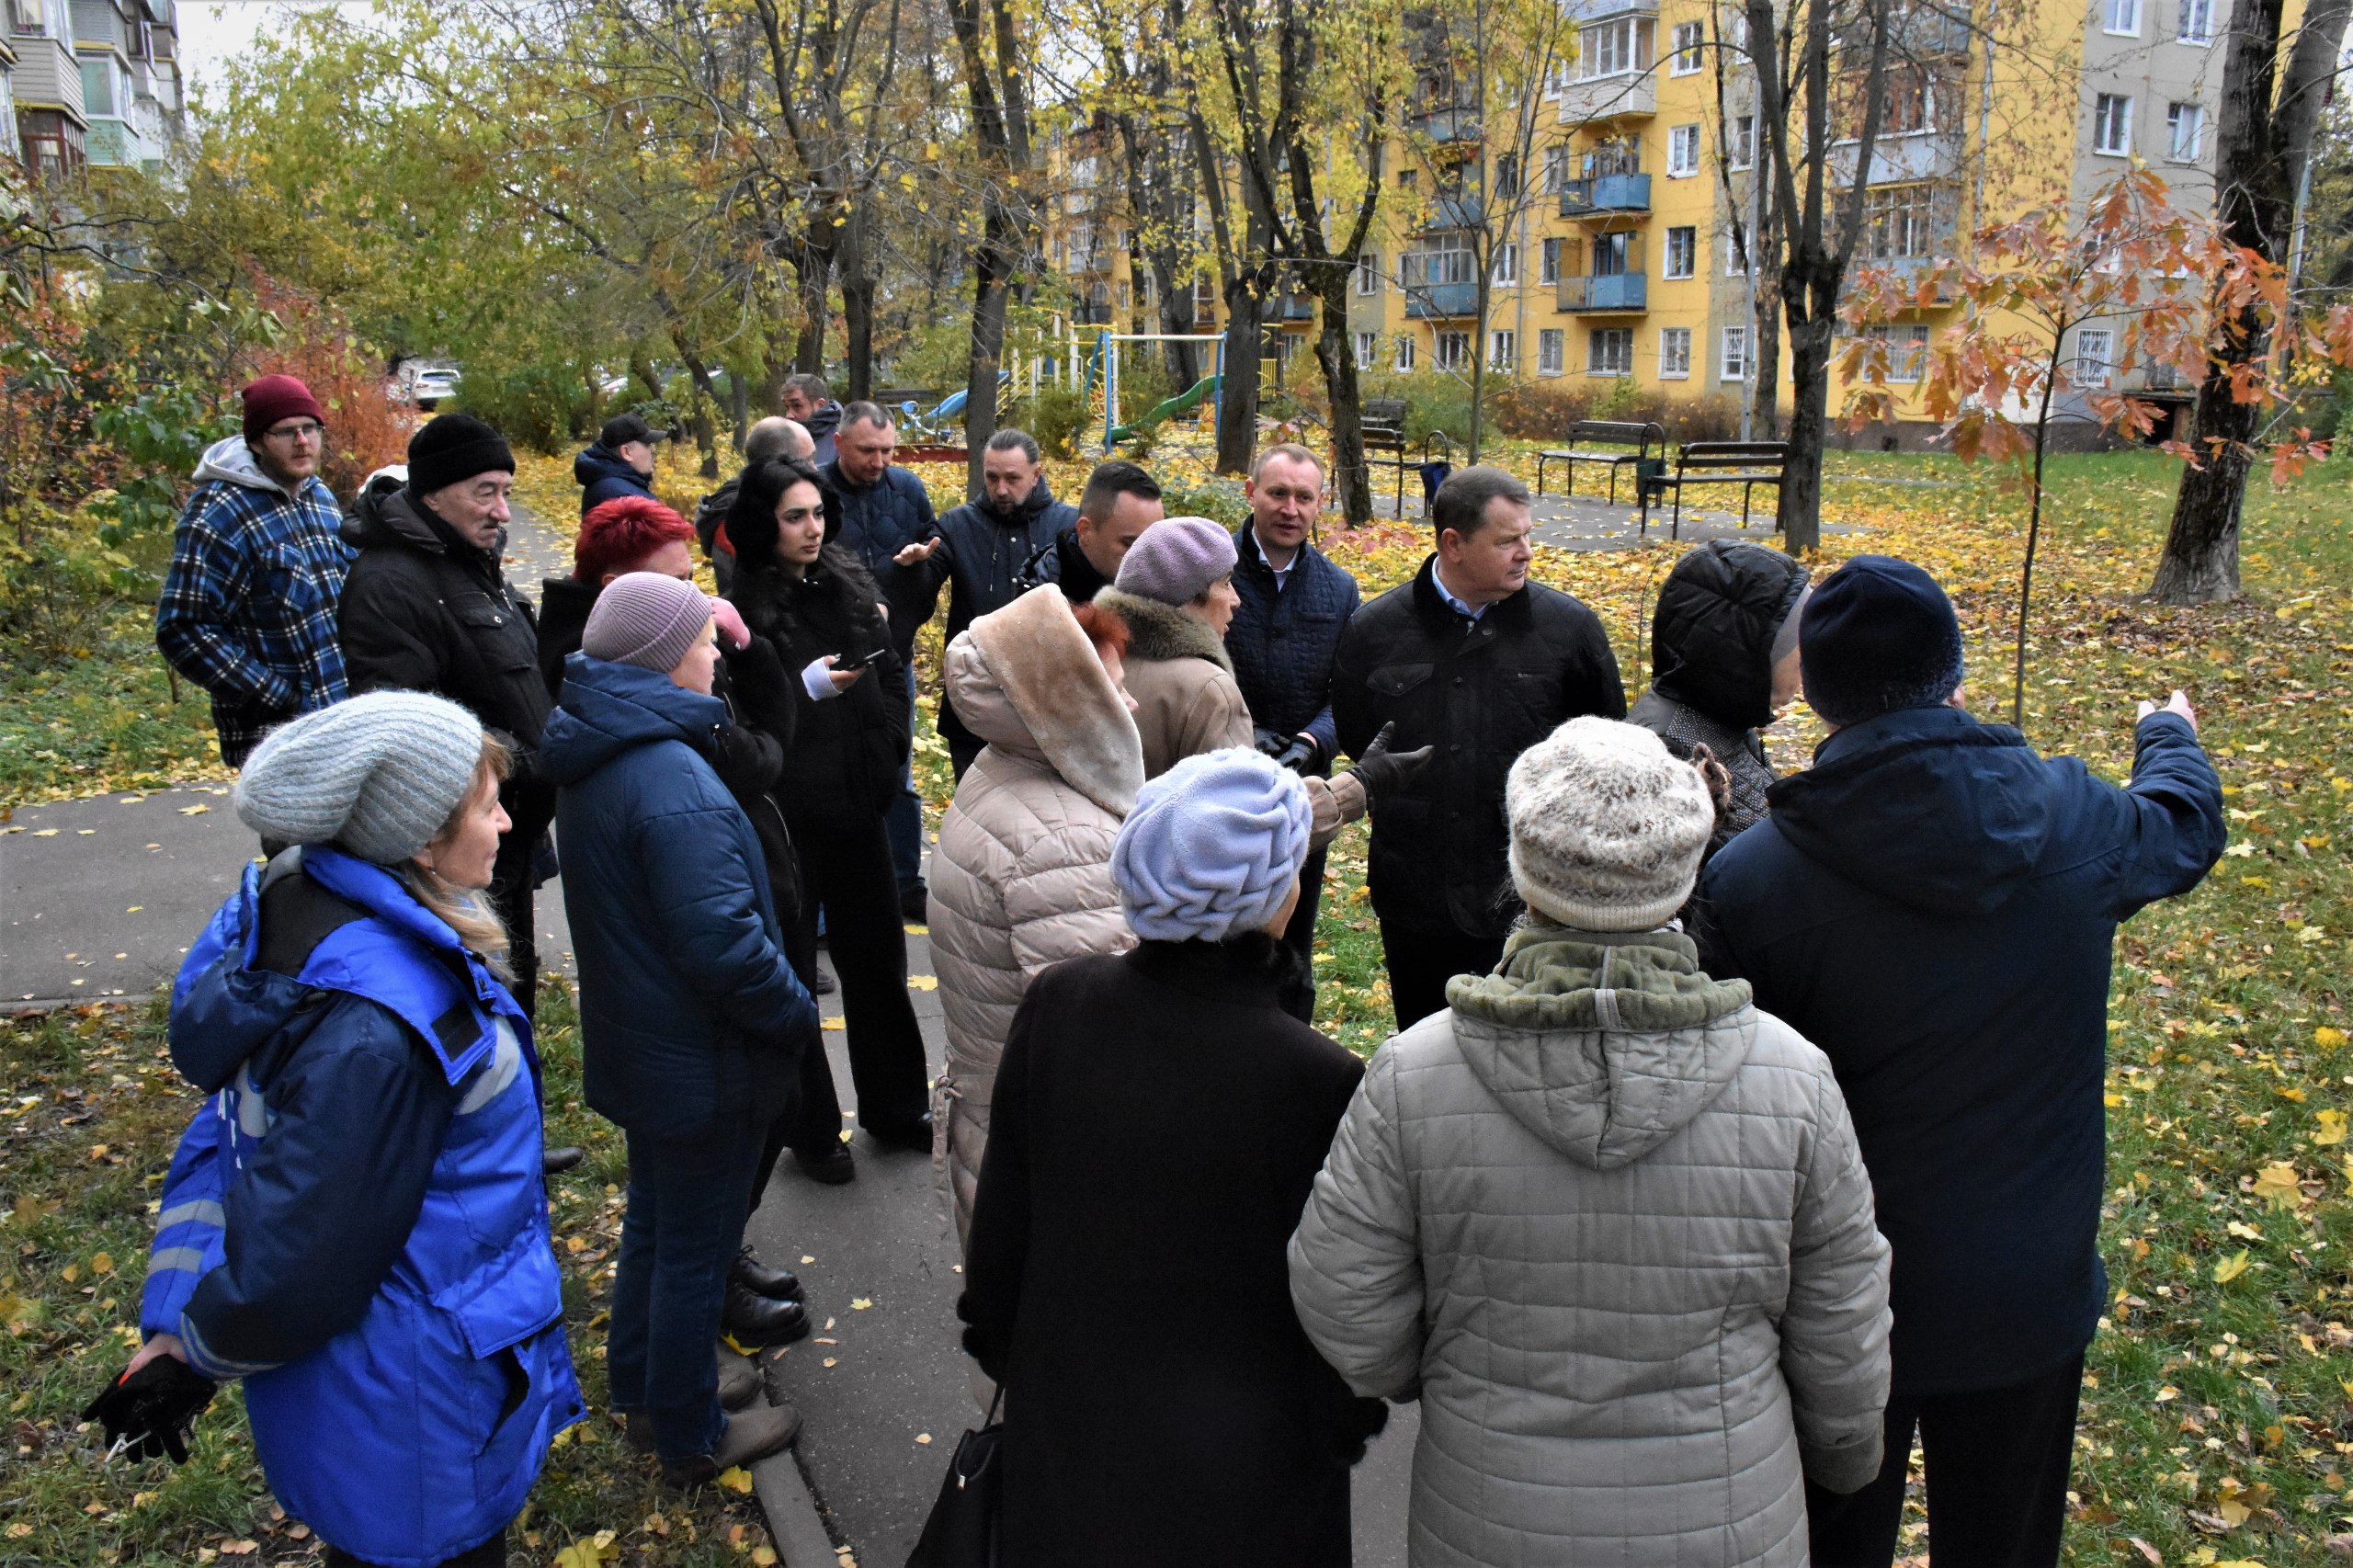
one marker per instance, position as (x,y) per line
(1212,849)
(375,775)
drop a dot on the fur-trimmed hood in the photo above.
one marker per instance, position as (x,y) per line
(1158,632)
(1027,681)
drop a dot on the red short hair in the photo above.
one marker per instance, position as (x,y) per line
(1103,627)
(618,535)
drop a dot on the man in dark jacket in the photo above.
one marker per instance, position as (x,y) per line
(1474,659)
(774,437)
(981,549)
(883,509)
(1295,604)
(427,608)
(621,463)
(808,404)
(1120,502)
(1934,905)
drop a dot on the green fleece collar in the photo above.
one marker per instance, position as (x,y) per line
(1554,979)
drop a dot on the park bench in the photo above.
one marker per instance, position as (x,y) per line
(1382,421)
(1613,432)
(1745,464)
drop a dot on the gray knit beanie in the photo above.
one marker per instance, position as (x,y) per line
(1175,560)
(375,775)
(647,619)
(1607,828)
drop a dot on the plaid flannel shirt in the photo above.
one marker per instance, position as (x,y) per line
(249,607)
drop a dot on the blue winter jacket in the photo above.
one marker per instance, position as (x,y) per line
(1934,905)
(604,475)
(687,1009)
(1283,639)
(356,1221)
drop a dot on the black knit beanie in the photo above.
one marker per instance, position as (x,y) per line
(452,448)
(1878,636)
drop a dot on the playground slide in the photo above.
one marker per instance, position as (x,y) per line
(1184,402)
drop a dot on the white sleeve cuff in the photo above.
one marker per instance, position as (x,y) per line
(817,680)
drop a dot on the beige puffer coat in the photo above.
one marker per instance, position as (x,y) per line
(1021,877)
(1182,681)
(1608,1221)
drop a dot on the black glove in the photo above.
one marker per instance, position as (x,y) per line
(1273,743)
(151,1412)
(1298,756)
(1380,770)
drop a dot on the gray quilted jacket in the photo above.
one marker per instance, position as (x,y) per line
(1608,1221)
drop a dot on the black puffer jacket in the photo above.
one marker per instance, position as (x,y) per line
(1481,692)
(843,760)
(1712,654)
(423,610)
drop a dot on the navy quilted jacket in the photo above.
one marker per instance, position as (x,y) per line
(1282,642)
(879,520)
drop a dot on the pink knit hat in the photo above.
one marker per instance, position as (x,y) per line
(647,619)
(1175,560)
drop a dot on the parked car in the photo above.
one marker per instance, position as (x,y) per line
(425,383)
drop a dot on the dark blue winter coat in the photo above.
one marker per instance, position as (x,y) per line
(356,1221)
(878,520)
(689,1012)
(605,475)
(1282,639)
(1934,905)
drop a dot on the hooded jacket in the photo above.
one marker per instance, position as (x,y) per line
(1481,692)
(1022,877)
(1079,579)
(820,422)
(1608,1222)
(1712,654)
(425,610)
(247,610)
(355,1222)
(689,1012)
(1177,671)
(1935,905)
(605,475)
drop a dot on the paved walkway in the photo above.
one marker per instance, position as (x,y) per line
(1591,522)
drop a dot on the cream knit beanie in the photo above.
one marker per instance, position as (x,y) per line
(1607,828)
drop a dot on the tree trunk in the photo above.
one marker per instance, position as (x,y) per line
(642,367)
(706,403)
(1801,504)
(1351,480)
(1237,393)
(857,306)
(816,280)
(992,271)
(2200,564)
(1765,376)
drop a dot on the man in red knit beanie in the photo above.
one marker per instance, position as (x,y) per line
(249,607)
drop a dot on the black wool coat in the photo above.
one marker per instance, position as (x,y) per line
(1158,1123)
(1481,692)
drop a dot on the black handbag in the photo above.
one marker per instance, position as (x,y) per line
(962,1530)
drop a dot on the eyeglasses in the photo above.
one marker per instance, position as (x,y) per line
(310,431)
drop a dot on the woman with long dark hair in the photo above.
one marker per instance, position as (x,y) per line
(814,599)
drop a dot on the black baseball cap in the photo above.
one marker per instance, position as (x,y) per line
(623,429)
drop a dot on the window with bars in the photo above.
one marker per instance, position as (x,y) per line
(2112,124)
(1682,252)
(1609,351)
(1686,40)
(1898,221)
(2094,356)
(1682,152)
(1735,355)
(1907,350)
(1450,350)
(1548,342)
(1675,353)
(2185,132)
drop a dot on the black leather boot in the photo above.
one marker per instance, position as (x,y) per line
(776,1284)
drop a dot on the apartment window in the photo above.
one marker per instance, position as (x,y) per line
(2094,356)
(1736,258)
(1687,39)
(1369,273)
(1450,350)
(1556,168)
(1682,252)
(1548,344)
(1506,176)
(1910,104)
(1742,131)
(1675,353)
(2123,17)
(1615,48)
(1404,361)
(1897,220)
(1405,180)
(1735,360)
(1368,348)
(1907,351)
(1447,259)
(1615,255)
(1549,263)
(1505,269)
(2185,132)
(1618,155)
(1609,351)
(2112,124)
(1204,294)
(1503,349)
(2196,24)
(1682,152)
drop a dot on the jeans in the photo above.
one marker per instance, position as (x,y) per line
(1421,962)
(905,820)
(686,1203)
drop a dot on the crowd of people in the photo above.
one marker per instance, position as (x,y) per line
(1737,1128)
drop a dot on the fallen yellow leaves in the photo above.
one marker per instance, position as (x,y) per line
(2332,1129)
(598,1548)
(735,1478)
(2328,1038)
(2278,1186)
(2231,1267)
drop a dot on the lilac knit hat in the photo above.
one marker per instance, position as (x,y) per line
(1175,560)
(647,619)
(1212,847)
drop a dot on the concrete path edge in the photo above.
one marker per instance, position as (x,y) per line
(793,1525)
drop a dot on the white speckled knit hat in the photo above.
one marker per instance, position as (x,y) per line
(375,775)
(1606,828)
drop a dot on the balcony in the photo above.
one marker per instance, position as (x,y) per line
(1909,272)
(1605,193)
(1446,125)
(1629,95)
(1622,292)
(1454,211)
(1919,32)
(1428,301)
(1905,159)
